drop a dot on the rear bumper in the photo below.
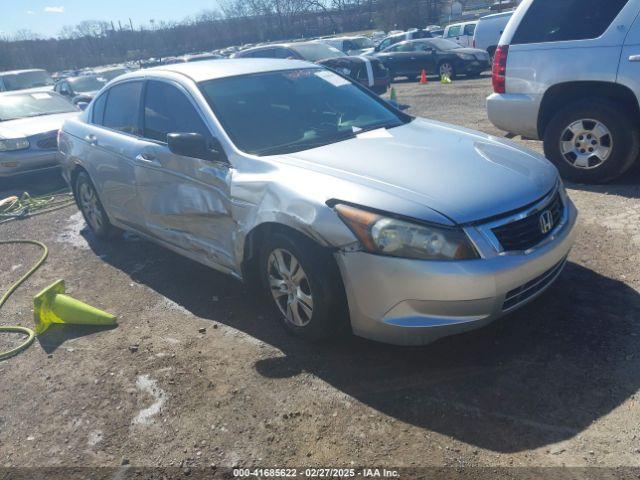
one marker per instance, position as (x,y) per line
(26,161)
(410,302)
(515,113)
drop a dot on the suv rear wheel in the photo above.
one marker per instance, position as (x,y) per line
(592,141)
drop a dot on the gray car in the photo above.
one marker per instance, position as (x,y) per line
(349,212)
(29,124)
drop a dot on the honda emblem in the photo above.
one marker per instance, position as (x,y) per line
(546,222)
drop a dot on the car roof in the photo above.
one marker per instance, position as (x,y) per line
(15,93)
(497,15)
(213,69)
(14,72)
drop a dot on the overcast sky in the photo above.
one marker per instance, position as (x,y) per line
(47,17)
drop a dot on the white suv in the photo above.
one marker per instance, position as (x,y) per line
(568,72)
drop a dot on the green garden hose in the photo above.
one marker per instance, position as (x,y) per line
(26,331)
(24,206)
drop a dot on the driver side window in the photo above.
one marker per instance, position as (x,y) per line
(168,110)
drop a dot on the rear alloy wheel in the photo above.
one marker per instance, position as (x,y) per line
(446,69)
(91,208)
(303,283)
(592,141)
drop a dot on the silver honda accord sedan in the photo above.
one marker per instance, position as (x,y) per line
(349,212)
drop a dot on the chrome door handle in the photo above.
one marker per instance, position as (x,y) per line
(634,58)
(147,159)
(92,139)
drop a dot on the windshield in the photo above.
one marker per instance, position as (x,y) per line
(24,80)
(314,52)
(443,44)
(13,107)
(294,110)
(87,84)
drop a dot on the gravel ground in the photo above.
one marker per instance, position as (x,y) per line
(198,373)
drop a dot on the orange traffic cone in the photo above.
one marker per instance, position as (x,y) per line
(423,78)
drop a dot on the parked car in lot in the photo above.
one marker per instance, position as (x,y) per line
(489,30)
(355,45)
(548,85)
(348,211)
(109,73)
(502,5)
(29,124)
(80,89)
(312,51)
(435,55)
(34,80)
(401,37)
(461,33)
(369,72)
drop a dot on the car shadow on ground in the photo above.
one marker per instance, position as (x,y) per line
(39,183)
(534,378)
(627,186)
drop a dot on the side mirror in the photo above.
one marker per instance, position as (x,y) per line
(194,145)
(82,105)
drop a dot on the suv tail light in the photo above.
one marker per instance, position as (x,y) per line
(499,77)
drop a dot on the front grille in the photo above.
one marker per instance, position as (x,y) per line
(49,143)
(521,294)
(527,233)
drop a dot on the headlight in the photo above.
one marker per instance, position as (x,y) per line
(399,238)
(465,56)
(11,144)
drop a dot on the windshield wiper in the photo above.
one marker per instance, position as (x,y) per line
(299,145)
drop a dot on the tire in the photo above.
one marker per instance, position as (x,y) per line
(92,210)
(445,66)
(613,149)
(322,316)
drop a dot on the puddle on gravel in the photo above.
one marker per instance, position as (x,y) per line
(146,384)
(71,234)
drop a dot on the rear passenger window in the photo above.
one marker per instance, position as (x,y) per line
(557,21)
(469,29)
(122,110)
(98,109)
(168,110)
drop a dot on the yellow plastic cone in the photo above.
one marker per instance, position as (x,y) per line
(445,79)
(53,306)
(394,95)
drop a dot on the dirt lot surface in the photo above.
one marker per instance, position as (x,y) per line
(198,373)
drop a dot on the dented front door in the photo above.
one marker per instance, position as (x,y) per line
(185,203)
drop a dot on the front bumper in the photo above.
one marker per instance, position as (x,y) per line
(412,302)
(27,161)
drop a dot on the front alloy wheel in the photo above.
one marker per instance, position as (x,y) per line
(290,287)
(303,284)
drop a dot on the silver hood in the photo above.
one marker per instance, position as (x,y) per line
(464,175)
(28,127)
